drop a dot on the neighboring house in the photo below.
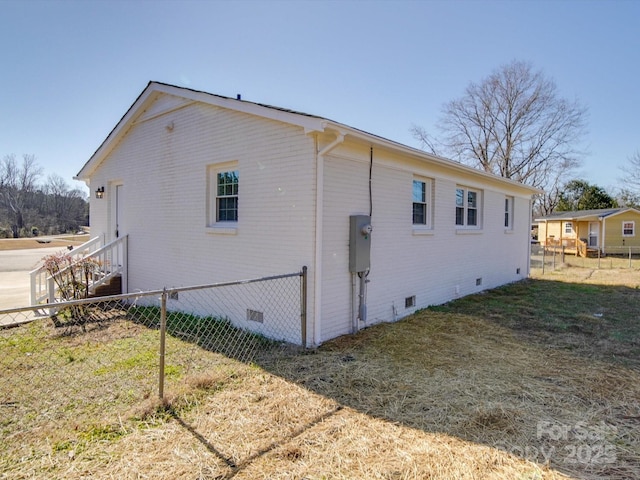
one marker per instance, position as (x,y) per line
(587,232)
(212,189)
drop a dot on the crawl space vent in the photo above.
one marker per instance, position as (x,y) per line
(255,316)
(410,302)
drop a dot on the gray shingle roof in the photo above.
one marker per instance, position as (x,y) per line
(576,214)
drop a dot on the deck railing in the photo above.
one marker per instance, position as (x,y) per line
(110,260)
(39,292)
(570,245)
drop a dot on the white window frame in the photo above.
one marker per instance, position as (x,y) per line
(568,227)
(214,197)
(463,206)
(633,228)
(508,212)
(426,201)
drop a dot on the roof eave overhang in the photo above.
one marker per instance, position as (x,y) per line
(620,212)
(586,218)
(154,89)
(310,124)
(425,156)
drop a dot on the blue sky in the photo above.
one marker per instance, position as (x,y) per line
(71,69)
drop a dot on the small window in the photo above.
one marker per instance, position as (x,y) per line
(223,186)
(568,227)
(508,213)
(227,196)
(422,203)
(628,229)
(467,207)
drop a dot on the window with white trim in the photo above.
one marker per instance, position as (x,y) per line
(422,203)
(628,229)
(508,213)
(223,185)
(468,203)
(568,227)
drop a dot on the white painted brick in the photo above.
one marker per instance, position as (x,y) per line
(164,177)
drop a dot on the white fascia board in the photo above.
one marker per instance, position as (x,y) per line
(624,210)
(424,156)
(308,122)
(154,89)
(118,131)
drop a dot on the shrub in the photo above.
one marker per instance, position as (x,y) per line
(72,279)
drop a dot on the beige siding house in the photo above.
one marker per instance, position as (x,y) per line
(212,189)
(586,232)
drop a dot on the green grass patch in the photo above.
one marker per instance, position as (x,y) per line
(596,320)
(211,333)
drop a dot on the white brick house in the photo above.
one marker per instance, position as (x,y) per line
(289,183)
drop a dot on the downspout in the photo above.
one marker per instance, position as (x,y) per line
(604,229)
(317,330)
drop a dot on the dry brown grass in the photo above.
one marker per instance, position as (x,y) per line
(571,272)
(470,390)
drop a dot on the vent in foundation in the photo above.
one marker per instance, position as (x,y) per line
(517,271)
(173,295)
(255,316)
(478,281)
(410,302)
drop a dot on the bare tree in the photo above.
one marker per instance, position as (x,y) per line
(65,206)
(18,183)
(632,173)
(427,141)
(513,124)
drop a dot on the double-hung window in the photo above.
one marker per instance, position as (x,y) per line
(568,227)
(227,196)
(223,185)
(628,229)
(468,203)
(422,203)
(508,213)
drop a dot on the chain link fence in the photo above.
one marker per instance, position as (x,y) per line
(91,361)
(550,258)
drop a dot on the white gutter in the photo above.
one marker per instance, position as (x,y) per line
(317,330)
(421,154)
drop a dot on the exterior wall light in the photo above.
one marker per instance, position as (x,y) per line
(100,192)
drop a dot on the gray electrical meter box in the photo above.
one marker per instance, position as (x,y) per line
(359,243)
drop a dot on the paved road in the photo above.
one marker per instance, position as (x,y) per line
(15,266)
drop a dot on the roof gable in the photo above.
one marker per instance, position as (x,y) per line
(143,108)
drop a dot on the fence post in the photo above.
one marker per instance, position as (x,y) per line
(598,258)
(562,257)
(629,257)
(303,307)
(32,292)
(544,255)
(163,331)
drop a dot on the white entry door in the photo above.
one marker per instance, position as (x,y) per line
(117,212)
(594,232)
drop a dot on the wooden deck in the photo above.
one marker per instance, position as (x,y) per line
(571,246)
